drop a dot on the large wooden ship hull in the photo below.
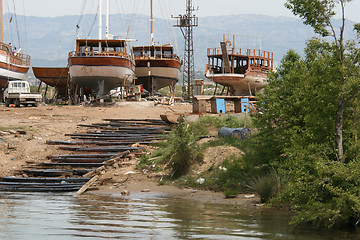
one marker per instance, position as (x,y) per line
(244,71)
(240,84)
(56,77)
(155,74)
(101,73)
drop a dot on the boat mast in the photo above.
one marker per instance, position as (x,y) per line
(1,21)
(107,20)
(152,23)
(100,23)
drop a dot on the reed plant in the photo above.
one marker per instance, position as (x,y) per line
(266,186)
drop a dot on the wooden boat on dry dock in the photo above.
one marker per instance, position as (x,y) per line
(245,71)
(56,77)
(101,64)
(156,65)
(13,65)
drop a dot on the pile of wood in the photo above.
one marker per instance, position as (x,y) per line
(101,145)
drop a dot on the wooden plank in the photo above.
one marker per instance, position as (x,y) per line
(225,57)
(234,97)
(42,180)
(97,155)
(99,149)
(48,189)
(82,164)
(80,160)
(107,163)
(199,106)
(87,185)
(202,97)
(237,105)
(213,106)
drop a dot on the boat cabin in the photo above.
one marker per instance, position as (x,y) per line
(239,62)
(145,52)
(14,57)
(93,47)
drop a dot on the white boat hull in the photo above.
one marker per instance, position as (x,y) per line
(10,70)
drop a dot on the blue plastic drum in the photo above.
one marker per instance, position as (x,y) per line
(240,133)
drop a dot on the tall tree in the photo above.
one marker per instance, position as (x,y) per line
(319,14)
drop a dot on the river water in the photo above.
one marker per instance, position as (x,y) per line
(142,216)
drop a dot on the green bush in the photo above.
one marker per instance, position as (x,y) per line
(266,186)
(182,151)
(321,191)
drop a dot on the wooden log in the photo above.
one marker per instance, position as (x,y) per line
(87,185)
(98,149)
(97,155)
(79,165)
(45,180)
(107,163)
(80,160)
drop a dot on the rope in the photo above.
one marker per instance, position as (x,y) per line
(170,33)
(9,23)
(134,18)
(92,27)
(81,12)
(25,29)
(16,23)
(80,18)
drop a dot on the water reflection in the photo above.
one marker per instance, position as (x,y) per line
(142,216)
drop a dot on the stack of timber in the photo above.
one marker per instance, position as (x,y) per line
(98,146)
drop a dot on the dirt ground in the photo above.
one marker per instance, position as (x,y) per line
(25,130)
(47,122)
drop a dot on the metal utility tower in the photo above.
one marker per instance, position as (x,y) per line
(186,23)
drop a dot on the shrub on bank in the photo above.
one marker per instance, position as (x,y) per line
(182,150)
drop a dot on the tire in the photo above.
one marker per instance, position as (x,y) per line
(17,102)
(34,104)
(7,102)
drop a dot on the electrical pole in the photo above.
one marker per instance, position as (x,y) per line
(186,23)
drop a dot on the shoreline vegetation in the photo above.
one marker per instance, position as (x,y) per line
(203,177)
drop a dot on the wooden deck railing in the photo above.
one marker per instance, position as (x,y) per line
(97,54)
(157,56)
(15,58)
(242,52)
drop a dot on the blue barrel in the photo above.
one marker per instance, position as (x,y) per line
(240,133)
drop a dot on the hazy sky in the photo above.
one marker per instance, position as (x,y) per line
(164,8)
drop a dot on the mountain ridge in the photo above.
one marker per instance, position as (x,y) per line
(50,39)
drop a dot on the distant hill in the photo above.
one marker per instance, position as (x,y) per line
(49,40)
